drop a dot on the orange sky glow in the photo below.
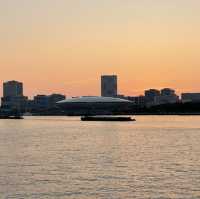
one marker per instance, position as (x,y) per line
(65,46)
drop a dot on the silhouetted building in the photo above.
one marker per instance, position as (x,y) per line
(167,92)
(18,103)
(109,86)
(12,89)
(150,96)
(138,100)
(168,96)
(190,97)
(41,102)
(54,98)
(30,105)
(13,97)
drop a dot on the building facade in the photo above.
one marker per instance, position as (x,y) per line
(168,96)
(12,89)
(13,97)
(150,96)
(109,86)
(42,102)
(54,98)
(190,97)
(168,92)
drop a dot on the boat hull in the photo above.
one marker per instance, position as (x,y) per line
(11,117)
(111,119)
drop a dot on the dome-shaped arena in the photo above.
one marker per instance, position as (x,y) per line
(94,100)
(94,105)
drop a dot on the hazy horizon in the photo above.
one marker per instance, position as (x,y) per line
(65,46)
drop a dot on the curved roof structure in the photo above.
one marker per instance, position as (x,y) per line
(94,100)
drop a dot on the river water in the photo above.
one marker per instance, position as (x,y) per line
(156,157)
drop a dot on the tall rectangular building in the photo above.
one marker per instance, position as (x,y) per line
(109,86)
(13,97)
(12,89)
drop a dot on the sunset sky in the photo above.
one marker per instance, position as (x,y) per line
(64,46)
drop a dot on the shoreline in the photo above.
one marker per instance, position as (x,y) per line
(142,114)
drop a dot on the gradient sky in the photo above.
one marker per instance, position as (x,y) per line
(64,46)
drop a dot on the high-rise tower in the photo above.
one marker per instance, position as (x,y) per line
(109,85)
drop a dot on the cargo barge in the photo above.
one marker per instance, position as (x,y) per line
(108,118)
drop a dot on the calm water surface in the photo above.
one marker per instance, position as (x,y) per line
(60,157)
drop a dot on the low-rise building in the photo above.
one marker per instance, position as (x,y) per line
(150,96)
(166,100)
(54,98)
(41,102)
(168,92)
(168,96)
(138,100)
(190,97)
(18,103)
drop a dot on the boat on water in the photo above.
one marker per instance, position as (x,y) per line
(10,114)
(108,118)
(11,117)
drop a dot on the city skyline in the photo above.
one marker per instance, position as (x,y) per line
(65,46)
(108,88)
(14,98)
(57,91)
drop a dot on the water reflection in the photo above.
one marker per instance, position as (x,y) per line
(61,157)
